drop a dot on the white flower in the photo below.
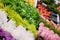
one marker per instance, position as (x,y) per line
(3,17)
(9,26)
(19,32)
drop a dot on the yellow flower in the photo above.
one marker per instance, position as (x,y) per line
(30,1)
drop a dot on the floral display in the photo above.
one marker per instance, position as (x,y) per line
(47,33)
(29,20)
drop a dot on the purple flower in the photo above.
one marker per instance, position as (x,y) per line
(4,35)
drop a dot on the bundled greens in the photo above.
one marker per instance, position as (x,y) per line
(51,4)
(24,9)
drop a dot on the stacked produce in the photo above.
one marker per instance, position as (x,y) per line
(47,33)
(43,11)
(20,21)
(48,14)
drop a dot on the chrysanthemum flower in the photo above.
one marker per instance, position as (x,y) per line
(4,35)
(47,33)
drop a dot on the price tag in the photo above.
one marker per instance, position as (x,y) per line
(44,4)
(58,19)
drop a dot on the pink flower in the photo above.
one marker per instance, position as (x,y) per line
(47,33)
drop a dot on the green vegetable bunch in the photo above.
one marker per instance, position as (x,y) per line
(24,9)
